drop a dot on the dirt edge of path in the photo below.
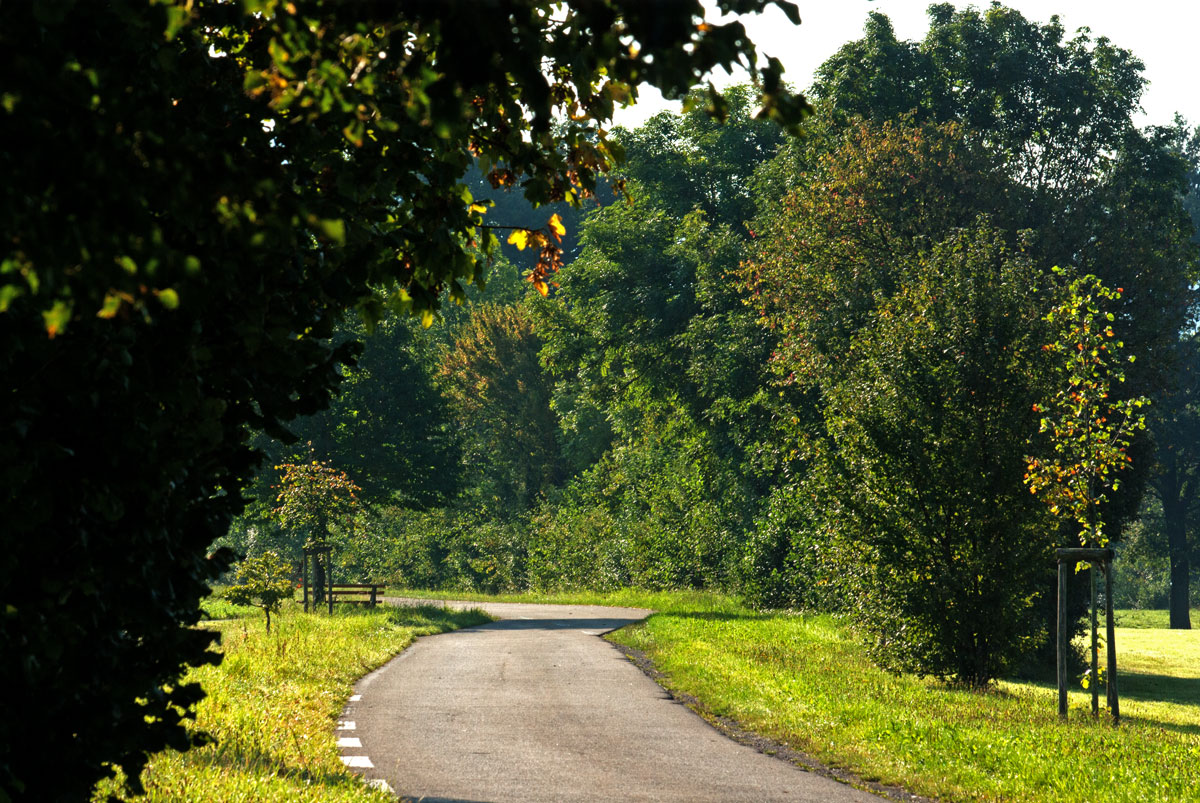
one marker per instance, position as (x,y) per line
(731,729)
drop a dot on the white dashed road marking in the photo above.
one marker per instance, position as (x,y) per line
(358,761)
(349,741)
(346,726)
(354,698)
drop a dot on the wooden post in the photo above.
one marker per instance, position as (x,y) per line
(1069,558)
(329,577)
(1062,637)
(304,576)
(1114,704)
(1094,680)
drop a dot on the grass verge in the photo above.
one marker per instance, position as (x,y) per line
(804,681)
(273,702)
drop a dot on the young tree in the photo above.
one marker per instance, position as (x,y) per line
(264,581)
(1089,431)
(193,194)
(1088,427)
(318,500)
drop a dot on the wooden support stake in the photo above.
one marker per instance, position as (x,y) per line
(1062,636)
(1114,704)
(1094,680)
(304,578)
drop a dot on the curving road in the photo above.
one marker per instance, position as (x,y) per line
(537,707)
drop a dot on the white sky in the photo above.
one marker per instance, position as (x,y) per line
(1162,33)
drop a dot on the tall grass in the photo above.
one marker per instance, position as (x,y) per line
(273,703)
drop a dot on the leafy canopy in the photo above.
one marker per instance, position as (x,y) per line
(314,496)
(1090,430)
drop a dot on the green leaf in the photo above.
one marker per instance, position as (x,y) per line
(333,229)
(56,318)
(168,298)
(8,294)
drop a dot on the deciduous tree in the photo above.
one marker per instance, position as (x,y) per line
(1057,112)
(500,398)
(940,548)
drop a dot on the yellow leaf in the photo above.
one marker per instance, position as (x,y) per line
(112,303)
(541,287)
(519,238)
(556,225)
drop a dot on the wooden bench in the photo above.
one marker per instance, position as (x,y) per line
(356,593)
(352,593)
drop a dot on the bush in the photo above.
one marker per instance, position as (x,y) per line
(442,548)
(779,561)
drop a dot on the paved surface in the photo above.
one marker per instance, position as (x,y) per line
(537,707)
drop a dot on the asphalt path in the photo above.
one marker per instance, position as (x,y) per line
(537,707)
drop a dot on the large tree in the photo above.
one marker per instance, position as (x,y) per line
(1057,112)
(389,427)
(909,319)
(193,193)
(501,402)
(942,550)
(1175,425)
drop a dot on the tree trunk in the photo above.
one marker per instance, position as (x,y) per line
(1181,615)
(1175,523)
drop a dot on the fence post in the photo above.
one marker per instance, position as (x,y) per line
(329,578)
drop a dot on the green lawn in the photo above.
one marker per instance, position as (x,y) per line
(803,680)
(1156,619)
(273,704)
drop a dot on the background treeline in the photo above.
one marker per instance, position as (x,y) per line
(803,371)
